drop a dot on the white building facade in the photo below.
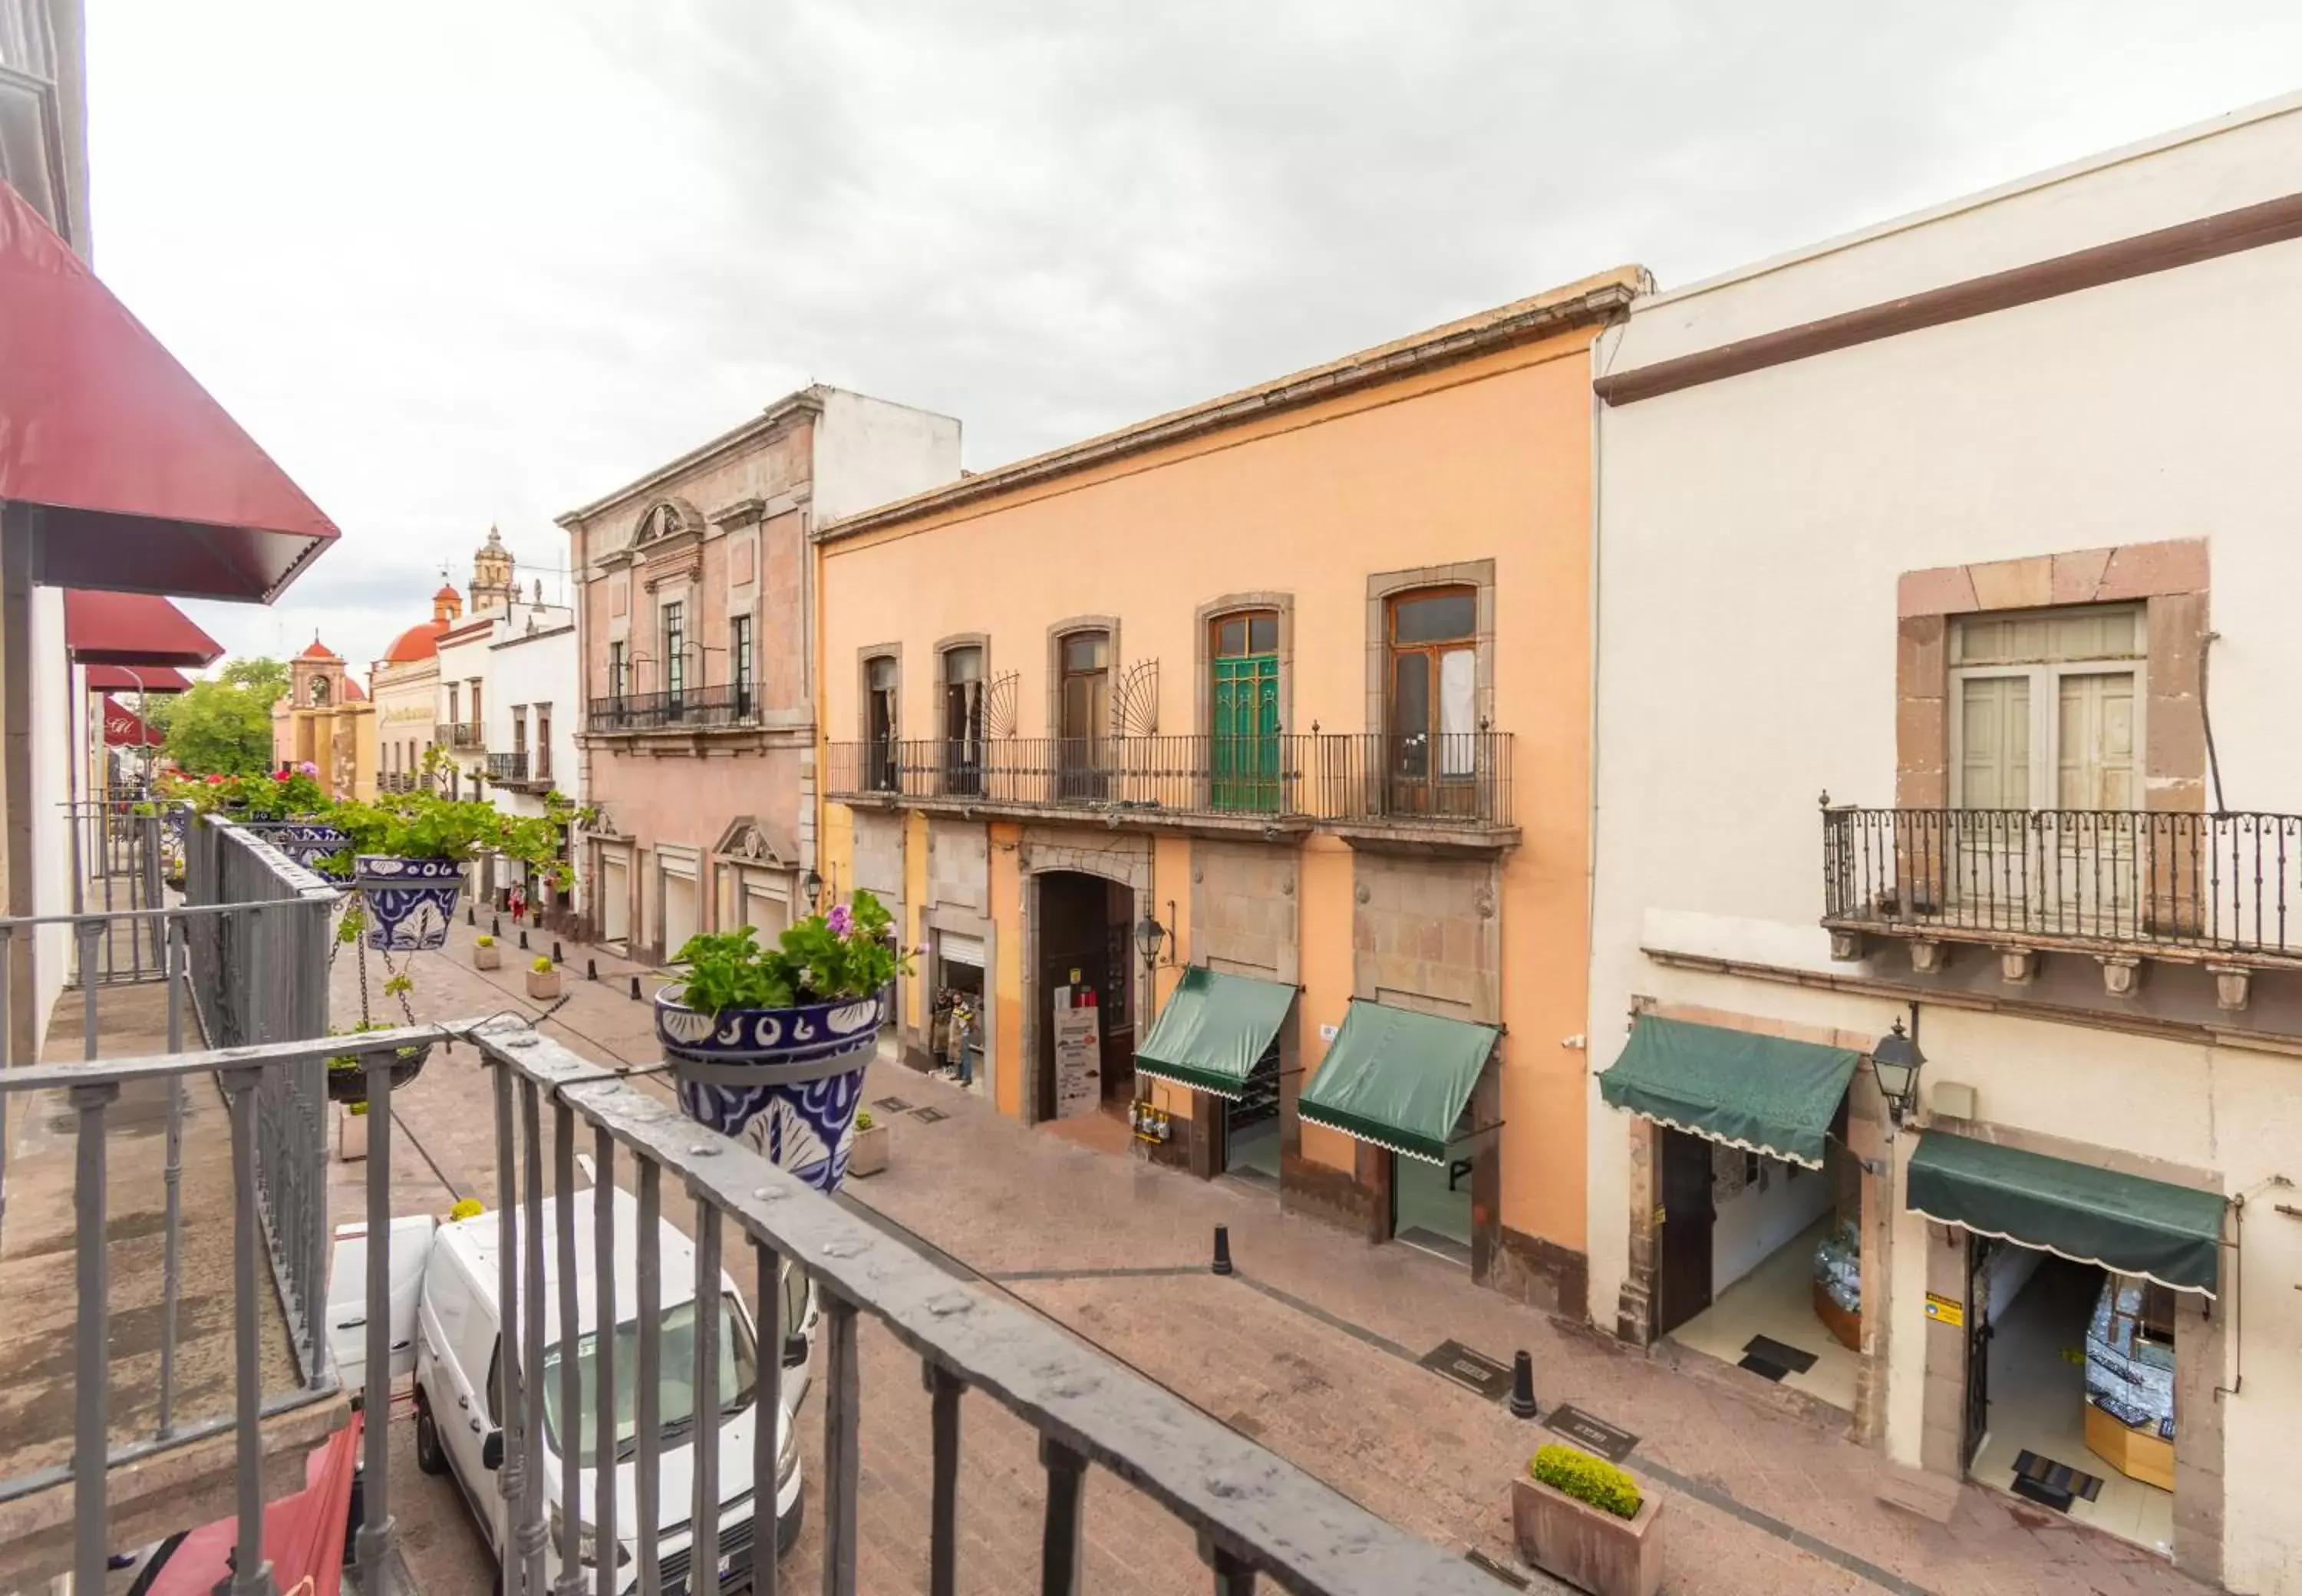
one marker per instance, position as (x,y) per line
(1982,523)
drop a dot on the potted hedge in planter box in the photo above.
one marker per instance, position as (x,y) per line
(485,954)
(1581,1519)
(868,1156)
(543,981)
(409,852)
(770,1043)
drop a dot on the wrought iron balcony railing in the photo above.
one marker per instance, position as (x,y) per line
(242,958)
(515,767)
(2136,879)
(1254,1515)
(468,735)
(696,708)
(1455,780)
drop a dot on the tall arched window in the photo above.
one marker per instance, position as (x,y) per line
(1243,710)
(1431,720)
(962,719)
(1083,727)
(882,721)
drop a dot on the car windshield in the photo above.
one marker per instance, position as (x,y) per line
(739,1371)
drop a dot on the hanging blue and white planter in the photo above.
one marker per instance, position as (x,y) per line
(786,1080)
(409,902)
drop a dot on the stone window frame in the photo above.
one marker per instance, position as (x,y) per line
(1072,626)
(2169,579)
(1382,587)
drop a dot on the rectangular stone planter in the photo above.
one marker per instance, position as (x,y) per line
(487,958)
(869,1155)
(543,985)
(351,1134)
(1586,1546)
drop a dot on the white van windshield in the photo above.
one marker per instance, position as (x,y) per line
(739,1372)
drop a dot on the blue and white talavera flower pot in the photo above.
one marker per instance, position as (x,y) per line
(788,1081)
(306,841)
(409,902)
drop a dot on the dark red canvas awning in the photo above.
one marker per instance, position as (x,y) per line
(137,678)
(133,629)
(124,727)
(146,484)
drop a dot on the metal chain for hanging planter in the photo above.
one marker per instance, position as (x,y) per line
(348,1072)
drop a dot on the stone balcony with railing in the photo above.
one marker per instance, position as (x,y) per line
(2120,887)
(1451,790)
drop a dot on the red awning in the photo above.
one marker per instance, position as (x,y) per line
(137,678)
(133,629)
(149,485)
(125,728)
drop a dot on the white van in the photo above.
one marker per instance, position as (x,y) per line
(447,1327)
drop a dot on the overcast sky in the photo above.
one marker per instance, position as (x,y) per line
(483,260)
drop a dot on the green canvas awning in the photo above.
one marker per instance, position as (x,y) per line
(1767,1094)
(1397,1078)
(2170,1234)
(1213,1029)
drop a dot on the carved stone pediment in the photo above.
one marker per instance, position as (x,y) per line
(747,842)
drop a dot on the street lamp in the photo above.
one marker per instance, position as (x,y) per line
(1895,1060)
(811,884)
(1149,935)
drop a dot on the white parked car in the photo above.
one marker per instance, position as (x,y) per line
(447,1325)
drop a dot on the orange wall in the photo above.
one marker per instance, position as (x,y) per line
(1487,459)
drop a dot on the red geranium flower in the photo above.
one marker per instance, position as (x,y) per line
(212,780)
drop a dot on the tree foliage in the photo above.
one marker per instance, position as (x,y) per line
(224,727)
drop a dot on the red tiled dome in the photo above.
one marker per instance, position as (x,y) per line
(318,650)
(419,642)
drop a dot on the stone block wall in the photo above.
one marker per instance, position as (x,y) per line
(1424,935)
(959,866)
(1244,910)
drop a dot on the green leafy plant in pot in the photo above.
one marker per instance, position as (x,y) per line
(347,1071)
(770,1043)
(409,851)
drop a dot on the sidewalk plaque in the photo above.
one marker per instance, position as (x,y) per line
(1079,1072)
(1592,1435)
(1473,1371)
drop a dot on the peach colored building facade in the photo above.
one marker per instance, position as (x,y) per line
(1302,676)
(694,610)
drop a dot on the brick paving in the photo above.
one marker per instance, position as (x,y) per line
(1310,1349)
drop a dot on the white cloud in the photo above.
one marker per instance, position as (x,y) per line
(457,263)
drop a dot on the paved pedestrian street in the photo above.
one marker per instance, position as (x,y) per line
(1311,1347)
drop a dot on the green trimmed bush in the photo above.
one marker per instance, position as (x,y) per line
(1587,1479)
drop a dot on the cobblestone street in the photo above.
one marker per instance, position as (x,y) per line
(1311,1348)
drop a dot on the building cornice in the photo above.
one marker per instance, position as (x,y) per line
(807,401)
(1592,302)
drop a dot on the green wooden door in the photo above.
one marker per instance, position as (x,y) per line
(1244,755)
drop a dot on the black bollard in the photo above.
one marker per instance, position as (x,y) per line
(523,942)
(1522,1396)
(495,926)
(635,989)
(557,956)
(471,915)
(591,970)
(1222,1249)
